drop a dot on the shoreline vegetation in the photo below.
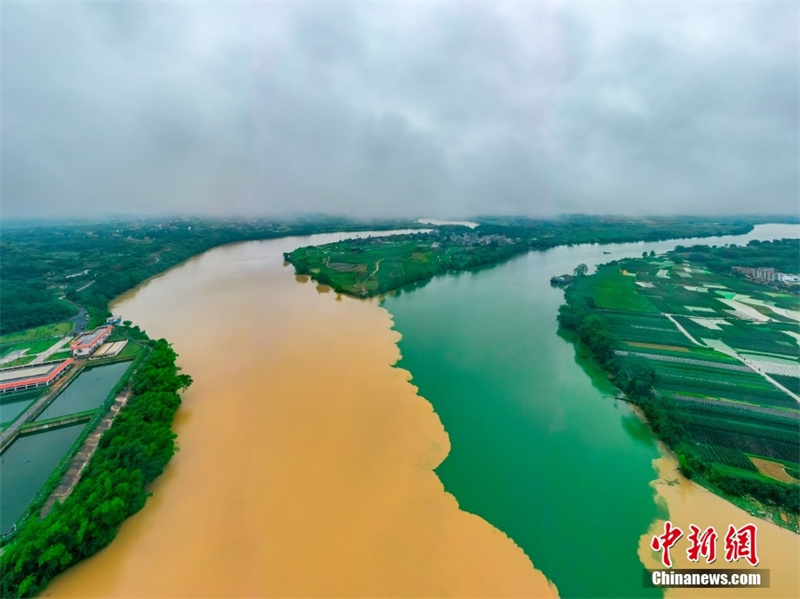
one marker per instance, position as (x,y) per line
(662,328)
(47,268)
(376,266)
(44,266)
(689,503)
(330,479)
(131,454)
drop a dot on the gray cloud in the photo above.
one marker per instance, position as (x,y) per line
(439,109)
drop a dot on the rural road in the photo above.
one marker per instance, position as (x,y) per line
(81,319)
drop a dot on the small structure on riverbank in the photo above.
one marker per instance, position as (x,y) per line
(561,280)
(85,344)
(109,350)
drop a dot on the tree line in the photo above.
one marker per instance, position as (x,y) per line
(37,260)
(42,263)
(781,254)
(130,455)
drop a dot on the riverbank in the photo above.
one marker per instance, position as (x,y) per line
(247,451)
(689,503)
(306,459)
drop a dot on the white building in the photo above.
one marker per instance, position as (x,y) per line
(85,344)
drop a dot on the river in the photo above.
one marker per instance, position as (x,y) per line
(306,462)
(540,447)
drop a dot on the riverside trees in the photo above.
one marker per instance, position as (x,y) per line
(706,407)
(130,455)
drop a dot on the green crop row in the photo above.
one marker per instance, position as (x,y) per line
(709,411)
(769,448)
(725,455)
(766,397)
(792,383)
(759,430)
(741,376)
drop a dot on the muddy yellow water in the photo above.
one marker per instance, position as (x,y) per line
(778,549)
(306,460)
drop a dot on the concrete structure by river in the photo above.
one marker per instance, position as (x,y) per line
(33,450)
(320,478)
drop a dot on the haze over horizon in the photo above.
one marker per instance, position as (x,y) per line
(399,109)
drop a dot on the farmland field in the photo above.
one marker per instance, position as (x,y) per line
(377,265)
(721,357)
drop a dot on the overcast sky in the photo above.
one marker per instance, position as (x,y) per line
(439,109)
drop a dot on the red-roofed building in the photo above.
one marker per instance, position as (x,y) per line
(31,377)
(88,342)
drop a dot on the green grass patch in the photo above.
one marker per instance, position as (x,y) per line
(733,471)
(26,359)
(47,331)
(131,350)
(33,346)
(612,290)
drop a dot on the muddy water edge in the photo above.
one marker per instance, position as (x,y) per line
(306,459)
(306,462)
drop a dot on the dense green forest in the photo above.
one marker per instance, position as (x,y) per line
(710,409)
(582,228)
(91,263)
(364,268)
(131,454)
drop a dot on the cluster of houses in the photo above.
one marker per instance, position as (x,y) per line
(767,275)
(475,239)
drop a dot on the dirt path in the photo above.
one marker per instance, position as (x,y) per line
(684,331)
(773,470)
(757,369)
(81,459)
(377,266)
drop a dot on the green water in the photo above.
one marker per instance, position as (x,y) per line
(9,410)
(86,392)
(25,466)
(27,463)
(540,447)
